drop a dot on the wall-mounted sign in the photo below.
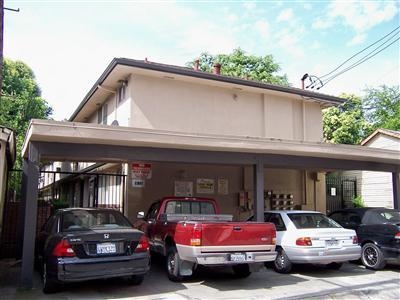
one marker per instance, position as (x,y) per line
(141,171)
(223,186)
(183,189)
(139,183)
(333,191)
(205,186)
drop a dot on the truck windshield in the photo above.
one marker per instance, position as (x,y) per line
(189,207)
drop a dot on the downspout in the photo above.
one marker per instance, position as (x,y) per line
(396,189)
(116,100)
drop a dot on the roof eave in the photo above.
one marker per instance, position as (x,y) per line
(327,99)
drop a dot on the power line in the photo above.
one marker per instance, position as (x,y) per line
(365,58)
(360,52)
(318,82)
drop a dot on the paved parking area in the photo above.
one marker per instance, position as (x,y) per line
(352,281)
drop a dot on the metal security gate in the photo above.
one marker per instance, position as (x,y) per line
(340,192)
(57,190)
(83,189)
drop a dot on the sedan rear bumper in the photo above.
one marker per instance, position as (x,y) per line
(391,253)
(323,255)
(76,269)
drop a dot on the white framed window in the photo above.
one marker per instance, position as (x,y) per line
(121,94)
(102,114)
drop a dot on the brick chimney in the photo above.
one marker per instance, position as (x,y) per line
(196,65)
(217,69)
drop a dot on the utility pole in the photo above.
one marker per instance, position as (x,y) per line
(2,8)
(1,44)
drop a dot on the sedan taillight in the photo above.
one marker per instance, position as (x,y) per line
(397,236)
(355,239)
(143,245)
(304,241)
(63,249)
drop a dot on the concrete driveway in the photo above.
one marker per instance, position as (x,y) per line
(352,281)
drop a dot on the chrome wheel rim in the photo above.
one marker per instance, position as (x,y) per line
(370,256)
(280,261)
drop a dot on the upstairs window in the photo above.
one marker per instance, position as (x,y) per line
(102,115)
(121,94)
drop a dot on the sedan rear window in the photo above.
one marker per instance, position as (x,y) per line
(86,219)
(382,216)
(304,220)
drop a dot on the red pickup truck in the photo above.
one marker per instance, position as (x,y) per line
(191,232)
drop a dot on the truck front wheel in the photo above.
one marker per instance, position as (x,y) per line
(241,271)
(173,264)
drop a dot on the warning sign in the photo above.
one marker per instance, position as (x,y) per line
(141,171)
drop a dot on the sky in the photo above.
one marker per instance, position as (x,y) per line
(68,44)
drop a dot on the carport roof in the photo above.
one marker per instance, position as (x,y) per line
(74,133)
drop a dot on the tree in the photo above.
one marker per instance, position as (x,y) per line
(238,64)
(20,101)
(382,107)
(346,124)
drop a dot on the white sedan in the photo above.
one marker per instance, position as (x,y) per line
(311,237)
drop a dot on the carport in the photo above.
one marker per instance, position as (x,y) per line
(68,141)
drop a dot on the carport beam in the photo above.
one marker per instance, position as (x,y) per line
(396,189)
(259,191)
(30,183)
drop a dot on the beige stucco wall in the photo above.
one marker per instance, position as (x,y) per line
(168,104)
(240,178)
(164,176)
(171,104)
(315,191)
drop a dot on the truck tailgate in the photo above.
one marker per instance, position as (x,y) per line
(237,233)
(227,233)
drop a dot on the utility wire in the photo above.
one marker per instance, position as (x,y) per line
(319,82)
(360,52)
(365,58)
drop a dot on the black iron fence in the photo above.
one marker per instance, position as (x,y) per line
(340,192)
(57,189)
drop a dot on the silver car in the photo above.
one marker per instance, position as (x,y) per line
(311,237)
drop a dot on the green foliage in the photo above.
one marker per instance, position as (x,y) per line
(358,201)
(20,101)
(353,121)
(238,64)
(382,106)
(59,203)
(346,124)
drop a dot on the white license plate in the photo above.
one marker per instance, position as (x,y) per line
(332,243)
(238,257)
(106,248)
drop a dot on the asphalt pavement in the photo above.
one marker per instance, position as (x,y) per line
(352,281)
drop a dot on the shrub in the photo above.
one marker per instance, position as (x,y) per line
(358,201)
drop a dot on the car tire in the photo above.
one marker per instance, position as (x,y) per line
(334,266)
(49,286)
(136,279)
(241,270)
(173,263)
(372,257)
(282,263)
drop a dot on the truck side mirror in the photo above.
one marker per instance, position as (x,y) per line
(140,215)
(163,218)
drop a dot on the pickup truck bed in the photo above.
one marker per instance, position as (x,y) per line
(187,238)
